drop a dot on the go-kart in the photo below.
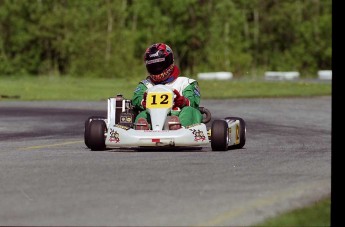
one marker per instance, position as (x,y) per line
(118,129)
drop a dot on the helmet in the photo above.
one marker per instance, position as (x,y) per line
(159,61)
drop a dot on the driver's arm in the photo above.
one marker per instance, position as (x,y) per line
(192,92)
(138,96)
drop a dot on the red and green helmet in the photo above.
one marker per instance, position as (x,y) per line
(159,61)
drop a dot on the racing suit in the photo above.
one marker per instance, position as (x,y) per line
(187,87)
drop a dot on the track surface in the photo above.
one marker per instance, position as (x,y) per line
(48,177)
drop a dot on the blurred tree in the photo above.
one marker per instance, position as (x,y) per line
(107,38)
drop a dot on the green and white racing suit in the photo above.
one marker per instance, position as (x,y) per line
(187,87)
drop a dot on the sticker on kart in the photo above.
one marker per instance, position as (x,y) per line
(159,100)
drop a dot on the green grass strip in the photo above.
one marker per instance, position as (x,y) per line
(93,89)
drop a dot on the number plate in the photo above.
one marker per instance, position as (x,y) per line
(159,100)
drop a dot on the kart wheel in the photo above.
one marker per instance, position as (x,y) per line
(96,135)
(219,135)
(242,132)
(87,130)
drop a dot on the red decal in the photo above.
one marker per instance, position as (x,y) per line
(156,140)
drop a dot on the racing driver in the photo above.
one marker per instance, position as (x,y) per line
(159,62)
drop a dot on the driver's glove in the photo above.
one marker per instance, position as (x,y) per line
(180,101)
(143,101)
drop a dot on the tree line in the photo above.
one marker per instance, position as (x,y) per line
(107,38)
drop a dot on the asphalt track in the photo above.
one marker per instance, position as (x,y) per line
(49,177)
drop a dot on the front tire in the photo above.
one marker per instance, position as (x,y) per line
(219,135)
(97,135)
(87,128)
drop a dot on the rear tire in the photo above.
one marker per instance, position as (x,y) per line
(242,132)
(219,135)
(96,135)
(87,128)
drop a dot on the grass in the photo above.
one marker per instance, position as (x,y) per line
(91,89)
(67,88)
(317,214)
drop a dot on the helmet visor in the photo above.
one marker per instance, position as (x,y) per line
(156,66)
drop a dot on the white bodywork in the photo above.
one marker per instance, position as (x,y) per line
(122,136)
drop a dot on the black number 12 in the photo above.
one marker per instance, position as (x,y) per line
(164,99)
